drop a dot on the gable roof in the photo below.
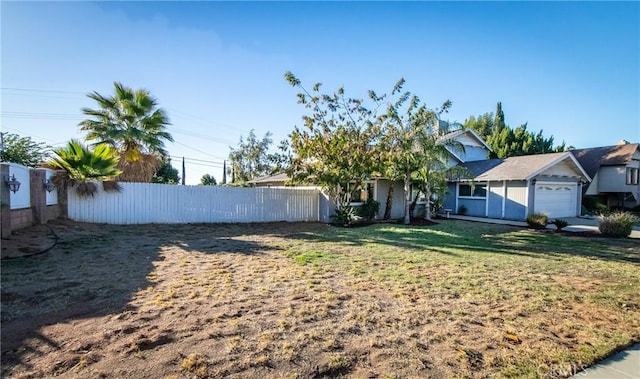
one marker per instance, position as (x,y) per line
(519,168)
(592,158)
(459,132)
(279,177)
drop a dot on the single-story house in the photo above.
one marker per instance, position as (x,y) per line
(516,187)
(510,188)
(615,172)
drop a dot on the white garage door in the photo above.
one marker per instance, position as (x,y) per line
(556,199)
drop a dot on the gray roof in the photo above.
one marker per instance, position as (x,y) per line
(516,168)
(592,158)
(275,178)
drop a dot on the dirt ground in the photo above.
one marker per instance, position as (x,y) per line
(162,301)
(185,301)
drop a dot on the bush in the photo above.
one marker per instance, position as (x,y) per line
(462,209)
(345,216)
(369,210)
(594,205)
(537,220)
(560,223)
(617,224)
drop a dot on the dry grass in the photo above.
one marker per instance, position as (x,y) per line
(459,300)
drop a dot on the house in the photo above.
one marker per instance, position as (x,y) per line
(275,180)
(614,170)
(516,187)
(510,188)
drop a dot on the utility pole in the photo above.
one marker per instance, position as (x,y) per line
(183,171)
(224,172)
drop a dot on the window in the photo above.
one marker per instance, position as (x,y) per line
(465,190)
(632,175)
(361,194)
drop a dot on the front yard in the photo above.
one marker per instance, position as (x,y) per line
(457,299)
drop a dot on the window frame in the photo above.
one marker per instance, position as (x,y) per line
(473,194)
(365,185)
(631,176)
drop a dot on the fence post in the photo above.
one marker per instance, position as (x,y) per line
(38,196)
(5,200)
(63,202)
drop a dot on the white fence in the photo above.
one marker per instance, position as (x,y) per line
(143,203)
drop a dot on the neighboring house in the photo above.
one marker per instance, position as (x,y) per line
(275,180)
(515,187)
(614,170)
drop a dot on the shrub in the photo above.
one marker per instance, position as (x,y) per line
(560,223)
(537,220)
(462,209)
(594,205)
(369,209)
(345,216)
(617,224)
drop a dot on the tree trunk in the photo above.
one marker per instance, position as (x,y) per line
(407,198)
(414,203)
(389,204)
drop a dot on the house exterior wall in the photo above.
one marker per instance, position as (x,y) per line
(565,168)
(516,200)
(397,201)
(475,206)
(474,153)
(612,179)
(495,195)
(449,201)
(592,188)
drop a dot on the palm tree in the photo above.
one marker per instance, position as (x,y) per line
(82,166)
(131,122)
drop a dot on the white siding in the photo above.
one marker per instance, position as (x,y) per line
(565,168)
(143,203)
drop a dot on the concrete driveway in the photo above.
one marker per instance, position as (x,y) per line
(582,224)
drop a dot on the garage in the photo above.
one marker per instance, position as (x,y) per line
(556,199)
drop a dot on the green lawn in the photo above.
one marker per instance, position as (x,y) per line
(517,302)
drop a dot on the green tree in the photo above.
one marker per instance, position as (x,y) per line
(336,147)
(250,159)
(23,150)
(208,180)
(507,142)
(166,173)
(413,148)
(131,122)
(83,165)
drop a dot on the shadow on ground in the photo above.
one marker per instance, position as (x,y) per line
(91,270)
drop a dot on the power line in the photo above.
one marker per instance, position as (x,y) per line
(41,90)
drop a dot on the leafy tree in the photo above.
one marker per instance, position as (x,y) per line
(131,122)
(507,142)
(281,159)
(208,180)
(250,159)
(166,173)
(83,165)
(23,150)
(336,147)
(412,145)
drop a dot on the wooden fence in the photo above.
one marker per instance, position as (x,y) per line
(143,203)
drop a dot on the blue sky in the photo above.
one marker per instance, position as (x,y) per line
(570,69)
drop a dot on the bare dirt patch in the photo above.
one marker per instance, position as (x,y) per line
(302,300)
